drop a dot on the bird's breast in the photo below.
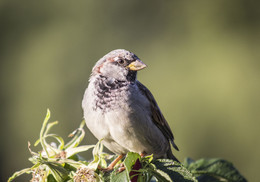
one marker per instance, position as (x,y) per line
(109,95)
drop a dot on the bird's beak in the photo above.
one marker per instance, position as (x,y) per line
(136,65)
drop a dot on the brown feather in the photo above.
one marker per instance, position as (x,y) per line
(157,115)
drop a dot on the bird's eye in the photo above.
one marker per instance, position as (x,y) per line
(121,61)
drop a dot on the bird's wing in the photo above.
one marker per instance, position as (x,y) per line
(157,115)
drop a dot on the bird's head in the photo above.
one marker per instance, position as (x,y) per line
(119,64)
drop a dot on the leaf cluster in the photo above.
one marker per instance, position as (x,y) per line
(58,162)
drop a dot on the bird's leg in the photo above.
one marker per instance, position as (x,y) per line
(113,163)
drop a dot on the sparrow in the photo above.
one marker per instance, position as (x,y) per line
(122,112)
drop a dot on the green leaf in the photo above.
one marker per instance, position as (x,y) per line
(58,138)
(45,135)
(72,151)
(42,140)
(82,124)
(51,178)
(174,170)
(49,126)
(19,173)
(119,177)
(97,151)
(57,170)
(130,160)
(160,175)
(94,164)
(72,163)
(149,158)
(77,157)
(214,170)
(78,136)
(30,150)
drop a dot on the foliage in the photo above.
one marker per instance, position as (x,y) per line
(62,163)
(213,170)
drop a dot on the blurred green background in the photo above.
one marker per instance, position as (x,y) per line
(203,69)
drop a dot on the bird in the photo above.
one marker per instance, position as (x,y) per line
(122,112)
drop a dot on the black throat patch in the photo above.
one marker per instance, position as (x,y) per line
(109,93)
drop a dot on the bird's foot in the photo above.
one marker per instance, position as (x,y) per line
(121,168)
(106,170)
